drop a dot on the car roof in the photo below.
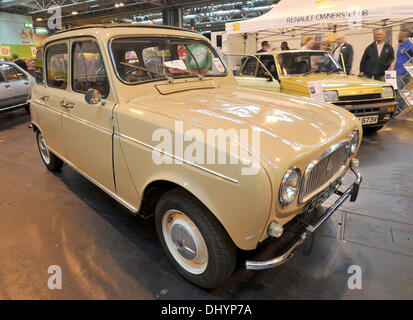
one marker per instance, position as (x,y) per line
(102,30)
(286,51)
(124,25)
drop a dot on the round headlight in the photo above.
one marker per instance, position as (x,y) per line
(387,92)
(355,139)
(331,95)
(290,186)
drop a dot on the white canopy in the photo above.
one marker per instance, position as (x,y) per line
(293,13)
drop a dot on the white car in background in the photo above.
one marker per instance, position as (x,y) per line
(15,87)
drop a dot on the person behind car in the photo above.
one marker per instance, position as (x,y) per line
(346,50)
(325,46)
(284,45)
(404,54)
(19,62)
(308,44)
(377,57)
(265,47)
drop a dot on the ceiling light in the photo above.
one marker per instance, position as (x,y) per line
(39,19)
(75,12)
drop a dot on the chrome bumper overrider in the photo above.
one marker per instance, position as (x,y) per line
(351,192)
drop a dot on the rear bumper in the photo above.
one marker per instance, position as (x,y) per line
(351,192)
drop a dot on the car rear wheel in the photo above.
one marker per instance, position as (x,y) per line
(194,240)
(52,162)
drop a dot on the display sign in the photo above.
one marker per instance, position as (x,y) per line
(316,90)
(28,25)
(391,78)
(4,51)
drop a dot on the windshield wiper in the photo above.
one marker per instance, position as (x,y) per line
(307,73)
(200,76)
(170,79)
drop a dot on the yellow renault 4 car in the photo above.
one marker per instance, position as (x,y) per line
(373,102)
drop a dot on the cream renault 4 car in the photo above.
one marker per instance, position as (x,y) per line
(152,116)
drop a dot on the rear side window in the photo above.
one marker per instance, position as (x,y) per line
(9,72)
(88,69)
(39,67)
(56,64)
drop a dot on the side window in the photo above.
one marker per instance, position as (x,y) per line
(20,75)
(56,63)
(9,73)
(250,67)
(88,70)
(269,63)
(39,67)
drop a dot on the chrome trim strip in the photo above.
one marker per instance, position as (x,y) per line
(17,106)
(289,253)
(313,164)
(68,114)
(178,158)
(103,188)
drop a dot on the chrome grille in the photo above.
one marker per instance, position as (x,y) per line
(324,170)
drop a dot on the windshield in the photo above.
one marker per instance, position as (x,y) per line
(139,59)
(294,63)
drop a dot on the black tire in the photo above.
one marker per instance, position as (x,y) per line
(372,130)
(221,250)
(51,162)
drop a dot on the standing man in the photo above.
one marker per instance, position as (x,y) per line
(377,57)
(19,62)
(265,47)
(346,50)
(404,54)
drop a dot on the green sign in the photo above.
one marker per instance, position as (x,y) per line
(28,25)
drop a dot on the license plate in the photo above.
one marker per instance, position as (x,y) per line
(318,199)
(369,119)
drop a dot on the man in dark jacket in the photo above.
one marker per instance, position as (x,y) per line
(377,57)
(19,62)
(346,50)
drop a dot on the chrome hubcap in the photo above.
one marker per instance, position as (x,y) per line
(44,151)
(185,242)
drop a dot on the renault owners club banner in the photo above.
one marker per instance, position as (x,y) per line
(309,12)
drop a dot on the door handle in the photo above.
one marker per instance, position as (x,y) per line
(66,105)
(44,98)
(7,85)
(26,83)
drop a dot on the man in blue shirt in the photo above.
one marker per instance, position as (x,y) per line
(404,54)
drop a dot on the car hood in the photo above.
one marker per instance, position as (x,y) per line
(289,125)
(340,82)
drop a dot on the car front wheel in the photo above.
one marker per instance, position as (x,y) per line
(52,162)
(193,239)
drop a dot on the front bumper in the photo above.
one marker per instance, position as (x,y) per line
(384,110)
(351,193)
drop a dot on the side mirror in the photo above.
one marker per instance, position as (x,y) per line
(93,96)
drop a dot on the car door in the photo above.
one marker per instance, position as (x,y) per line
(24,84)
(19,84)
(253,74)
(12,84)
(5,91)
(88,128)
(51,96)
